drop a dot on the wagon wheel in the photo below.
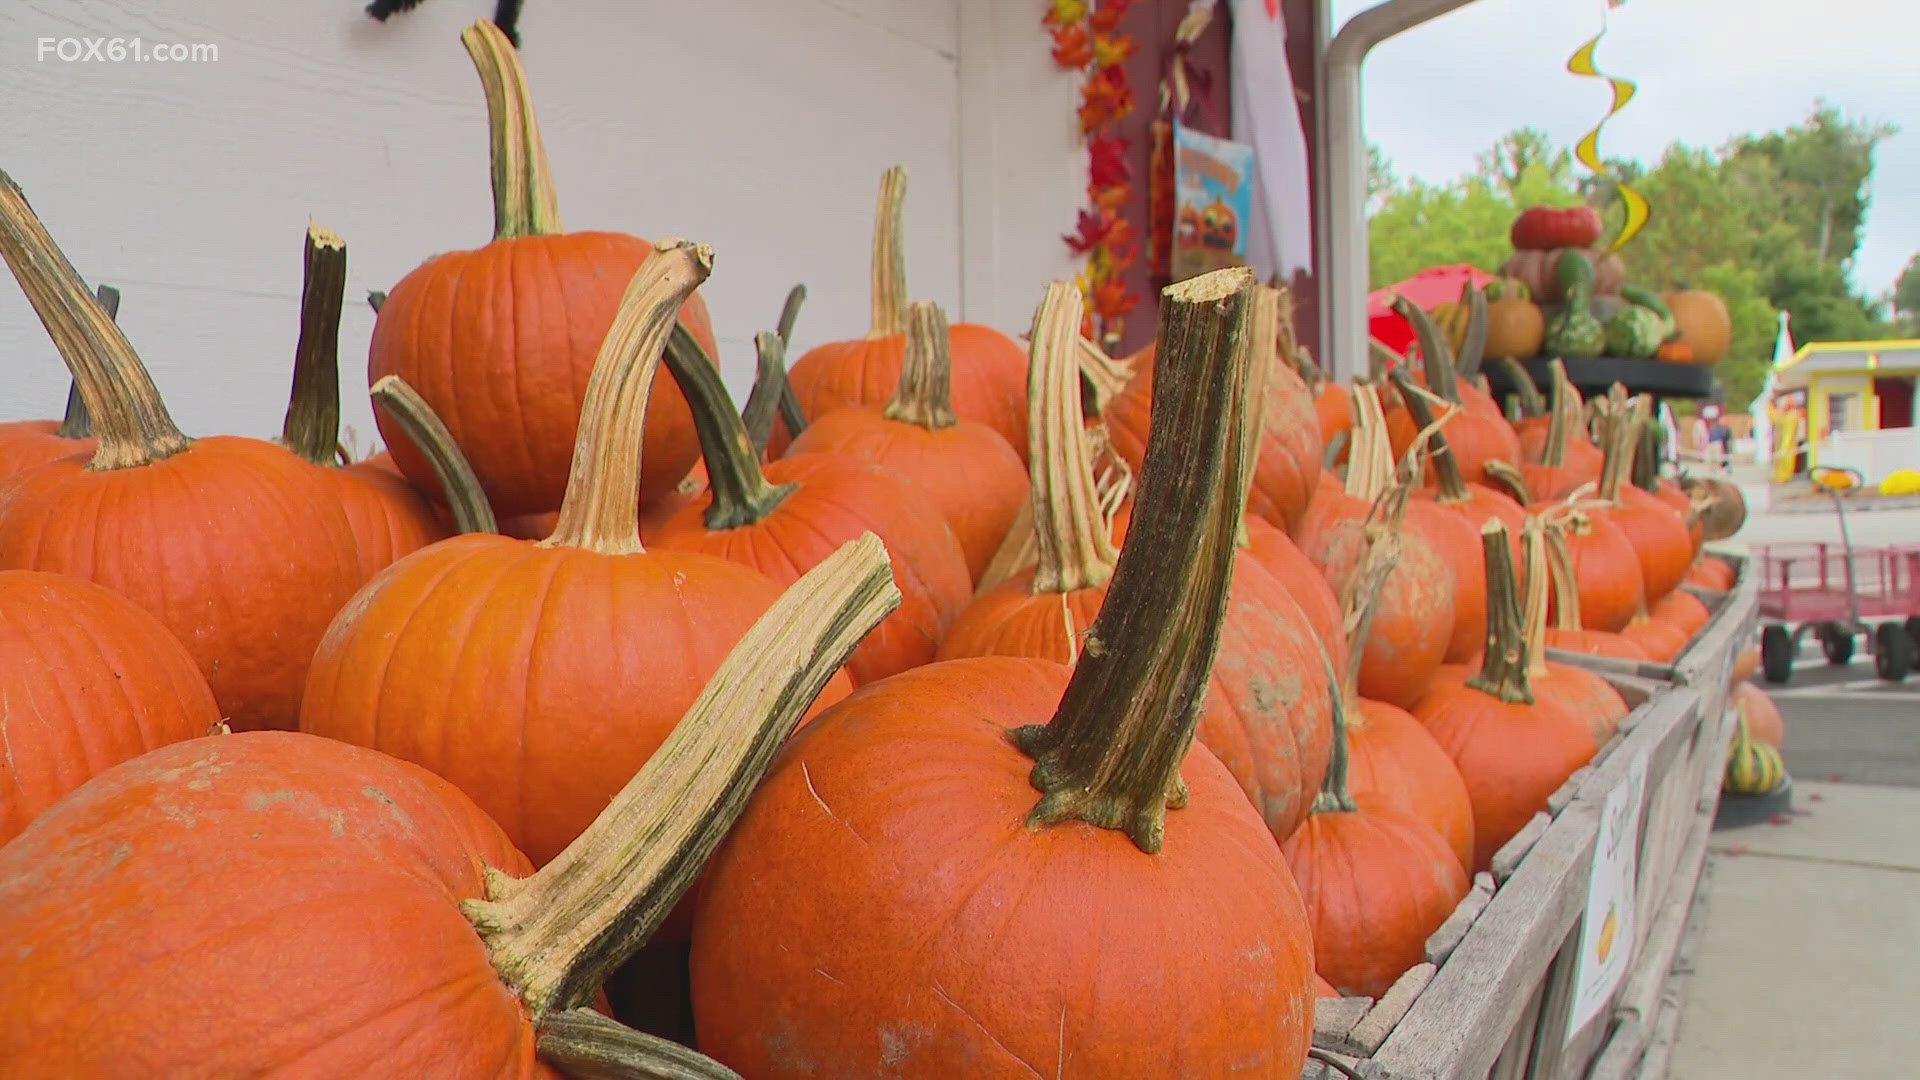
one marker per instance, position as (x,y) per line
(1913,634)
(1776,653)
(1837,643)
(1892,651)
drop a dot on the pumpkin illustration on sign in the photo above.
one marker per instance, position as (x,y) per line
(1214,197)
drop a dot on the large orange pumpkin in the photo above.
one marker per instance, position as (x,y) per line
(965,930)
(1567,630)
(965,469)
(280,904)
(236,545)
(1584,693)
(1661,540)
(87,680)
(1702,321)
(26,443)
(537,677)
(501,340)
(1558,455)
(989,368)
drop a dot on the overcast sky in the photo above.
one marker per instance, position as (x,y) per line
(1706,70)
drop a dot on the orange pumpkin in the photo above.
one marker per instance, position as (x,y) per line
(1557,455)
(1567,630)
(1661,540)
(1700,317)
(26,443)
(1764,722)
(1479,434)
(501,340)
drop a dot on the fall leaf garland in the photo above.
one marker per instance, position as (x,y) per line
(1087,38)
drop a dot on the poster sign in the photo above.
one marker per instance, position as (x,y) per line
(1213,191)
(1607,934)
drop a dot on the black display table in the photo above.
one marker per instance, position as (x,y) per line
(1597,376)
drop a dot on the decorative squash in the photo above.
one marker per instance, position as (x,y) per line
(1275,743)
(1753,767)
(538,678)
(1544,228)
(236,545)
(1720,506)
(501,340)
(913,791)
(87,680)
(1516,327)
(1513,750)
(404,933)
(1760,714)
(1634,333)
(966,470)
(1575,333)
(1540,272)
(26,443)
(989,368)
(1700,317)
(1450,318)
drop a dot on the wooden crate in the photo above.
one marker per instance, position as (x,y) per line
(1495,997)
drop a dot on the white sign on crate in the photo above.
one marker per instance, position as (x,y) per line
(1607,933)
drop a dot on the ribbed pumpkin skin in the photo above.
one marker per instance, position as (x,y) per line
(1595,643)
(389,519)
(501,341)
(1584,694)
(1269,706)
(1682,610)
(1276,552)
(1377,884)
(87,680)
(536,680)
(207,910)
(238,546)
(26,443)
(989,380)
(967,471)
(950,940)
(1288,469)
(838,499)
(1607,570)
(1764,722)
(1394,764)
(1413,622)
(1659,537)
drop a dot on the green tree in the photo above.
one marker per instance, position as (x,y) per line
(1508,163)
(1906,296)
(1822,170)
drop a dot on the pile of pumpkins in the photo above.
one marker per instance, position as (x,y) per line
(954,707)
(1562,293)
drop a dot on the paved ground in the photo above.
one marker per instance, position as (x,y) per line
(1844,724)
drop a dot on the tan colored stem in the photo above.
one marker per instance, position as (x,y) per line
(889,266)
(466,499)
(311,427)
(1533,550)
(524,203)
(554,936)
(1075,549)
(924,395)
(1106,377)
(1565,405)
(1503,671)
(1566,587)
(1263,327)
(1621,443)
(1369,456)
(1111,754)
(601,510)
(74,422)
(588,1046)
(128,414)
(1360,599)
(1508,475)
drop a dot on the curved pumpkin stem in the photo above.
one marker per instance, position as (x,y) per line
(1566,587)
(1531,403)
(583,1043)
(466,499)
(1074,545)
(1359,600)
(769,385)
(1503,673)
(790,412)
(1473,344)
(311,428)
(1446,471)
(1263,326)
(1369,457)
(1436,354)
(740,492)
(889,268)
(524,203)
(74,422)
(127,411)
(1620,439)
(1103,378)
(1536,579)
(924,395)
(1565,408)
(1111,754)
(601,510)
(554,936)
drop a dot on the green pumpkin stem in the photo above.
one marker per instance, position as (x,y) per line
(1074,545)
(1436,354)
(1111,755)
(601,510)
(524,203)
(1531,403)
(739,489)
(889,267)
(1505,474)
(790,412)
(583,1043)
(769,381)
(1503,672)
(466,499)
(1646,463)
(376,299)
(924,395)
(554,936)
(127,412)
(1473,344)
(74,422)
(311,428)
(1446,470)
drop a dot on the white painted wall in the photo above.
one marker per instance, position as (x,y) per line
(757,126)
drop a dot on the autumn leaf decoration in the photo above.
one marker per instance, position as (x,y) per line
(1087,39)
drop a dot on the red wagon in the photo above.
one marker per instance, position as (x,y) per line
(1838,592)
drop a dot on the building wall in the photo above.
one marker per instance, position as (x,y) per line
(758,127)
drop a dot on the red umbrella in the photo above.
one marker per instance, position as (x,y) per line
(1434,285)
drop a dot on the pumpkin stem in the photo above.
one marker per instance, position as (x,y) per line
(1436,353)
(524,203)
(1103,377)
(376,299)
(1566,588)
(769,384)
(1531,403)
(1646,463)
(790,412)
(601,510)
(1111,754)
(890,255)
(126,409)
(1473,344)
(741,494)
(1503,673)
(1264,320)
(1370,457)
(583,1043)
(1446,471)
(466,499)
(1533,550)
(311,428)
(924,395)
(1565,405)
(1619,439)
(554,936)
(75,423)
(1380,553)
(1074,545)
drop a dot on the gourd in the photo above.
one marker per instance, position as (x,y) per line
(1634,333)
(1515,325)
(1540,272)
(1762,717)
(1574,333)
(1753,767)
(1701,319)
(1545,228)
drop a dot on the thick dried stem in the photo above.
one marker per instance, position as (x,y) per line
(311,427)
(1380,553)
(741,494)
(1435,353)
(1503,672)
(127,412)
(889,267)
(1074,546)
(1531,403)
(1508,475)
(1620,441)
(554,936)
(587,1046)
(1104,377)
(74,422)
(601,510)
(1566,587)
(1473,344)
(466,499)
(1565,404)
(1537,582)
(524,203)
(1111,754)
(376,299)
(1263,326)
(1369,456)
(790,412)
(769,385)
(924,395)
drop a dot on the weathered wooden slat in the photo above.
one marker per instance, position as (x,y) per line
(1442,942)
(1558,801)
(1517,1053)
(1507,859)
(1373,1028)
(1550,1031)
(1334,1017)
(1613,664)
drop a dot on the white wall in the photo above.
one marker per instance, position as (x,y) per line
(757,126)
